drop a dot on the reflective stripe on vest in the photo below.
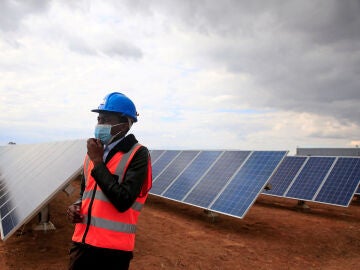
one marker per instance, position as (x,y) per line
(110,225)
(121,166)
(99,195)
(86,167)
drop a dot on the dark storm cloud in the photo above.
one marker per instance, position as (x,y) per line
(302,55)
(313,63)
(334,22)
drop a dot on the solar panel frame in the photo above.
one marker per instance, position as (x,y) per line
(358,191)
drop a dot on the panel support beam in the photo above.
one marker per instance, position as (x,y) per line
(44,223)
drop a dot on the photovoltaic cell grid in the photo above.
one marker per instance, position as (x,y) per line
(225,181)
(342,182)
(216,178)
(306,184)
(176,166)
(247,183)
(162,161)
(188,178)
(284,175)
(30,175)
(155,154)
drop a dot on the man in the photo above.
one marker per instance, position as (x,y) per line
(116,180)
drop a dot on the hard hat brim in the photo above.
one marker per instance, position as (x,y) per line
(115,112)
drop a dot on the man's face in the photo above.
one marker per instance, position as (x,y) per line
(119,125)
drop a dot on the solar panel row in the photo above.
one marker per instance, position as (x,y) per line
(330,180)
(227,182)
(221,181)
(30,175)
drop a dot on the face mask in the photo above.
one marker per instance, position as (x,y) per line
(103,132)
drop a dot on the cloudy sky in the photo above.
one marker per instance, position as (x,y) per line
(246,75)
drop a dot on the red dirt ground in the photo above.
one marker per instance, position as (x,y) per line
(273,235)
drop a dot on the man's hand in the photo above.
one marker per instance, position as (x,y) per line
(73,213)
(95,150)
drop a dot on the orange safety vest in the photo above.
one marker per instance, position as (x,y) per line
(103,225)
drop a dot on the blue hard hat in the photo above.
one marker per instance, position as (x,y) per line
(118,103)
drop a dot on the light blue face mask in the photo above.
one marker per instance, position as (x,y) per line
(103,132)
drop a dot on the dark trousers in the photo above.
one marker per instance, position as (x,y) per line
(88,257)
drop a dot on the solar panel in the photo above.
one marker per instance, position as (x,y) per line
(155,154)
(284,175)
(342,182)
(30,175)
(245,186)
(306,184)
(177,165)
(216,177)
(187,179)
(162,161)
